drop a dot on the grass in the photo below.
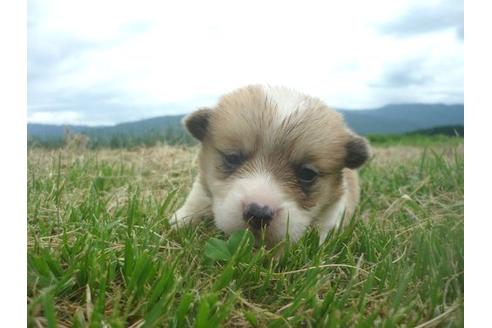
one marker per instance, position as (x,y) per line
(100,252)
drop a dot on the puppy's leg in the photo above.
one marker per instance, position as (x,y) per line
(197,205)
(331,219)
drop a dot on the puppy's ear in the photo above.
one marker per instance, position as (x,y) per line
(197,123)
(357,152)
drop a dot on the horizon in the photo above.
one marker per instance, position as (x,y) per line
(177,115)
(130,64)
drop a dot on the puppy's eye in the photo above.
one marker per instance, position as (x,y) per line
(233,160)
(306,175)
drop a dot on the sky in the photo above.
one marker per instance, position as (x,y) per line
(105,62)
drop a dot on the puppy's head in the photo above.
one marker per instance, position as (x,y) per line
(272,159)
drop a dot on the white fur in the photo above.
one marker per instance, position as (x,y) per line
(197,205)
(262,189)
(285,100)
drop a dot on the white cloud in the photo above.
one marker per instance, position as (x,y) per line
(159,57)
(59,117)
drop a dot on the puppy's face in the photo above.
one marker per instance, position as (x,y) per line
(272,159)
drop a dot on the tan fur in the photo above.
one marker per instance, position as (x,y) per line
(353,193)
(274,141)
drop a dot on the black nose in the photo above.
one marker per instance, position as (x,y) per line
(257,216)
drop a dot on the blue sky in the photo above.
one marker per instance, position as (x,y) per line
(105,62)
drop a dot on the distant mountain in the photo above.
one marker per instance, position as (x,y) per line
(395,119)
(390,119)
(131,128)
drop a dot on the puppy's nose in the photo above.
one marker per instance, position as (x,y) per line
(257,215)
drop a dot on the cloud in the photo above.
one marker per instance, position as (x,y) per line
(159,58)
(403,78)
(91,107)
(407,74)
(59,117)
(428,18)
(425,79)
(461,32)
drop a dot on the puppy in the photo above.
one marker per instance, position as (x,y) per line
(275,161)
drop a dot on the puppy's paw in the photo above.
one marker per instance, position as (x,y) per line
(180,218)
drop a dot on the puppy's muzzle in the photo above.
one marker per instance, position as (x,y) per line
(257,216)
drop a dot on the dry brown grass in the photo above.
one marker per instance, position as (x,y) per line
(383,156)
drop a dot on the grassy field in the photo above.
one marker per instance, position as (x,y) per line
(100,252)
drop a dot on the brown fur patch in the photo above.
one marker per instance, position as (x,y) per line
(357,152)
(197,123)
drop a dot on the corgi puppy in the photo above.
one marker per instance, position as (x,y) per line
(275,161)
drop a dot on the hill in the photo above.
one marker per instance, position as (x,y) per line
(396,119)
(390,119)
